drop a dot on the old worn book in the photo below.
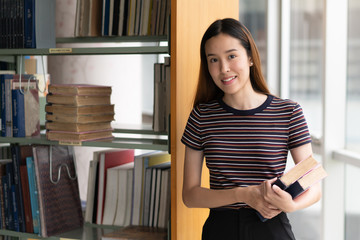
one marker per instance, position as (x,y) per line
(59,199)
(136,233)
(78,100)
(79,89)
(82,118)
(77,127)
(79,136)
(68,109)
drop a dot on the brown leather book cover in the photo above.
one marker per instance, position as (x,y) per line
(59,202)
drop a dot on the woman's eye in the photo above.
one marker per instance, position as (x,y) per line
(232,56)
(213,60)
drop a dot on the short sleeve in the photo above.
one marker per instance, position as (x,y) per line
(192,134)
(298,129)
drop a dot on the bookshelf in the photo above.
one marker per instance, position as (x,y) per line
(189,19)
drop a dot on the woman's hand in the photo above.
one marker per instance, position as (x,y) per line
(277,197)
(255,199)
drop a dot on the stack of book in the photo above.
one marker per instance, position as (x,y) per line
(79,112)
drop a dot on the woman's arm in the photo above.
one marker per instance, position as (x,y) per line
(196,196)
(281,199)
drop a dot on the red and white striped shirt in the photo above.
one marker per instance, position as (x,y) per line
(245,147)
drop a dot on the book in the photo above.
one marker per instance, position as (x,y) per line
(25,106)
(6,108)
(79,89)
(25,111)
(79,136)
(109,159)
(82,118)
(115,194)
(289,181)
(140,164)
(77,127)
(296,172)
(26,151)
(78,100)
(90,195)
(34,195)
(77,110)
(39,24)
(17,188)
(59,198)
(136,232)
(306,181)
(95,18)
(165,199)
(124,203)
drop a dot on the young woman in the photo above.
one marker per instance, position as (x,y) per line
(245,134)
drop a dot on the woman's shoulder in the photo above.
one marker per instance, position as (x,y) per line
(213,105)
(284,102)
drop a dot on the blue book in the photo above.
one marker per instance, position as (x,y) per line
(106,16)
(29,24)
(39,24)
(25,107)
(5,183)
(18,112)
(6,115)
(34,198)
(19,216)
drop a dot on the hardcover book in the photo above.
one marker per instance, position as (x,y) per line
(77,110)
(109,159)
(89,118)
(77,127)
(25,106)
(78,100)
(79,89)
(59,199)
(79,136)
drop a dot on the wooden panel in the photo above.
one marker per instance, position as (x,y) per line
(189,20)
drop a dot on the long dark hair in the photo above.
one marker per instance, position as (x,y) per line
(206,89)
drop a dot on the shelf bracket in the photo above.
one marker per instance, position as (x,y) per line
(73,178)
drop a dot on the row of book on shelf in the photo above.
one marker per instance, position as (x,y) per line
(122,17)
(39,190)
(19,105)
(27,23)
(128,188)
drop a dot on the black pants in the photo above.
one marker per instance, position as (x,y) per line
(244,224)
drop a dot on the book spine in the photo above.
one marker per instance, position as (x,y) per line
(8,108)
(18,113)
(34,199)
(29,23)
(3,112)
(17,192)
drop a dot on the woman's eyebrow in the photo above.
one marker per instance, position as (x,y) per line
(227,51)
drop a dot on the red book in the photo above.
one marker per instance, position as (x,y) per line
(109,159)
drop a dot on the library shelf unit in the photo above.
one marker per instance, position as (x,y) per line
(189,20)
(128,137)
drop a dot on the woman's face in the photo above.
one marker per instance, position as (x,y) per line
(229,64)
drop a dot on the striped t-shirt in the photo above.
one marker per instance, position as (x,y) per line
(245,147)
